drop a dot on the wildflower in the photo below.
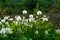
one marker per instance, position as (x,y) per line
(44,15)
(6,17)
(4,35)
(11,19)
(36,16)
(58,31)
(17,22)
(45,19)
(3,20)
(31,16)
(39,12)
(31,19)
(30,26)
(24,12)
(6,30)
(23,18)
(30,39)
(36,32)
(2,31)
(6,23)
(46,32)
(26,20)
(0,22)
(18,18)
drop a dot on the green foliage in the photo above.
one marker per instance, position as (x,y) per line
(34,30)
(44,5)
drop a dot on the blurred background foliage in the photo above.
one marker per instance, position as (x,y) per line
(16,6)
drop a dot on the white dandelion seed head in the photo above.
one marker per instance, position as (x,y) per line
(39,12)
(11,19)
(1,23)
(36,32)
(44,15)
(6,30)
(31,16)
(3,20)
(18,18)
(45,19)
(24,12)
(46,32)
(58,31)
(6,17)
(7,23)
(30,39)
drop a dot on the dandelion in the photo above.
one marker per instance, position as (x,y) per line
(6,23)
(0,22)
(26,20)
(6,17)
(30,26)
(31,19)
(39,12)
(2,31)
(30,39)
(36,32)
(58,31)
(3,20)
(6,30)
(45,19)
(11,19)
(18,18)
(24,12)
(31,16)
(46,32)
(44,15)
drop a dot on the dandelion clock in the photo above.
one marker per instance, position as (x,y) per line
(24,12)
(39,12)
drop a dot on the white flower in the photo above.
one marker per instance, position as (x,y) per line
(3,20)
(30,39)
(2,31)
(36,32)
(39,12)
(0,22)
(44,15)
(23,18)
(24,12)
(30,26)
(46,32)
(31,19)
(6,23)
(45,19)
(17,22)
(26,24)
(6,17)
(18,18)
(31,16)
(6,30)
(27,20)
(11,19)
(58,31)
